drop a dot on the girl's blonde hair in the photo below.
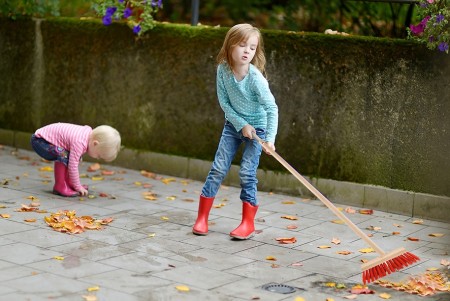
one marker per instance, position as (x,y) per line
(237,34)
(108,142)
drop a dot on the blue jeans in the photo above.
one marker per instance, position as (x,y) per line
(228,146)
(49,151)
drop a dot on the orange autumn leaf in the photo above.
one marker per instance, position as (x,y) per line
(286,240)
(413,239)
(418,221)
(291,227)
(323,247)
(148,174)
(366,211)
(108,172)
(30,220)
(344,252)
(168,180)
(94,167)
(290,217)
(395,233)
(68,222)
(288,202)
(361,290)
(46,168)
(272,258)
(5,215)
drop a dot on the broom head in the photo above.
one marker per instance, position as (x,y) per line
(387,264)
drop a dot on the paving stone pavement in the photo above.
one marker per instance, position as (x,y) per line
(148,250)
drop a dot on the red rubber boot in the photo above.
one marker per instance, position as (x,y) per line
(201,224)
(247,227)
(61,187)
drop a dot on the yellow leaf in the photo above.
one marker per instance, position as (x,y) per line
(436,234)
(164,218)
(30,220)
(329,299)
(385,296)
(168,180)
(344,252)
(151,234)
(323,247)
(288,202)
(97,178)
(46,168)
(182,288)
(418,221)
(338,221)
(299,299)
(330,284)
(93,288)
(432,269)
(367,250)
(171,198)
(137,183)
(5,215)
(290,217)
(58,257)
(271,258)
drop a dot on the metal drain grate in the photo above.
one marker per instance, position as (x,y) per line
(278,288)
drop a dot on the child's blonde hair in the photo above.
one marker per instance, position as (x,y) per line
(108,141)
(237,34)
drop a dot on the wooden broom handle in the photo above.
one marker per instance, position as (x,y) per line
(322,198)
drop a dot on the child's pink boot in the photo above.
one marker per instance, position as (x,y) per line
(61,187)
(247,227)
(201,224)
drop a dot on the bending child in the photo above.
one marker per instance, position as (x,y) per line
(249,107)
(66,143)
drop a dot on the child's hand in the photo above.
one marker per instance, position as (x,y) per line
(247,131)
(83,192)
(268,146)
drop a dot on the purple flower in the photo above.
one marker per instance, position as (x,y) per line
(431,39)
(439,18)
(157,3)
(110,11)
(121,1)
(137,29)
(419,28)
(443,47)
(107,20)
(127,12)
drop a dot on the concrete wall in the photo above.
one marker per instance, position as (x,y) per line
(352,109)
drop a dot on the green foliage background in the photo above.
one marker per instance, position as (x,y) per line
(381,19)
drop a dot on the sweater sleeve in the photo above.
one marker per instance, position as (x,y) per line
(224,101)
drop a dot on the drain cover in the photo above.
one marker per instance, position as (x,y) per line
(278,288)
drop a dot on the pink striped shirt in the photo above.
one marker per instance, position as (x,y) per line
(74,138)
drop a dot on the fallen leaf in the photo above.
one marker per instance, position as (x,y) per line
(445,262)
(413,239)
(168,180)
(58,257)
(90,297)
(336,241)
(46,168)
(361,290)
(373,228)
(288,202)
(350,210)
(271,258)
(164,218)
(436,234)
(30,220)
(108,172)
(171,198)
(329,299)
(290,217)
(148,174)
(384,296)
(93,288)
(330,284)
(351,297)
(94,167)
(366,211)
(344,252)
(286,240)
(297,264)
(299,299)
(418,221)
(397,225)
(291,227)
(182,288)
(432,269)
(367,250)
(395,233)
(323,247)
(274,266)
(5,215)
(151,234)
(97,178)
(338,221)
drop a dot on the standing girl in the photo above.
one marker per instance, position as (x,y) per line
(250,108)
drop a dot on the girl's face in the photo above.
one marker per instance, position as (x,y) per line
(243,53)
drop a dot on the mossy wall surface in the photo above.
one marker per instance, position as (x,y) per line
(355,109)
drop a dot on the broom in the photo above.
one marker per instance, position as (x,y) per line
(374,269)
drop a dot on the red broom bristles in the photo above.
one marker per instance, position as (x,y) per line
(389,266)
